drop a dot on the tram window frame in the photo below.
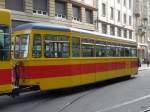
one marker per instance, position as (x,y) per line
(134,52)
(127,52)
(100,46)
(5,44)
(88,46)
(110,50)
(39,52)
(76,47)
(25,53)
(117,51)
(130,50)
(55,46)
(122,51)
(107,50)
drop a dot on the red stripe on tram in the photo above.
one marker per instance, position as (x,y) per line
(5,76)
(68,70)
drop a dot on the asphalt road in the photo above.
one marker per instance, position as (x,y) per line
(125,95)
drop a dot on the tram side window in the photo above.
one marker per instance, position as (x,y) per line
(75,47)
(100,50)
(117,51)
(37,47)
(87,48)
(108,50)
(56,46)
(4,44)
(111,50)
(122,51)
(21,46)
(133,52)
(127,51)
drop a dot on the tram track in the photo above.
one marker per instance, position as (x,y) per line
(38,99)
(42,99)
(73,101)
(91,89)
(76,99)
(146,110)
(55,96)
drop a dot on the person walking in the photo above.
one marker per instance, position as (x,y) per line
(1,52)
(139,62)
(147,63)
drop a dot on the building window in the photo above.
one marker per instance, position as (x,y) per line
(104,28)
(125,18)
(140,39)
(125,34)
(119,32)
(112,30)
(124,3)
(89,16)
(129,4)
(103,9)
(112,13)
(118,16)
(17,5)
(76,13)
(149,19)
(130,20)
(130,34)
(40,7)
(149,36)
(16,23)
(60,10)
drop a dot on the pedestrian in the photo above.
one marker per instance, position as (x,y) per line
(1,51)
(139,62)
(147,63)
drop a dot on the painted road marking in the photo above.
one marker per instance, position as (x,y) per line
(123,104)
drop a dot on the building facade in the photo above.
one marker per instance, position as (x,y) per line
(115,17)
(148,30)
(141,24)
(73,13)
(123,19)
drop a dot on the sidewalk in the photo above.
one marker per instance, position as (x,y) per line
(144,67)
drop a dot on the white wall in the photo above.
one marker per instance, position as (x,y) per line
(89,2)
(117,6)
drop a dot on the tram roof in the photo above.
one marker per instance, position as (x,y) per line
(42,26)
(101,35)
(5,10)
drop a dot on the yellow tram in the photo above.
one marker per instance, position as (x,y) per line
(6,78)
(54,57)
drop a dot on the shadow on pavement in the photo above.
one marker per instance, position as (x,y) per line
(6,102)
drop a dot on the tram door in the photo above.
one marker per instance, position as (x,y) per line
(5,61)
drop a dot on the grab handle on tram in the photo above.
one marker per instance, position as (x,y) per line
(16,74)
